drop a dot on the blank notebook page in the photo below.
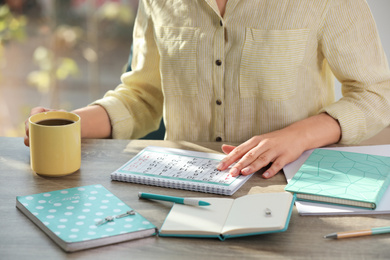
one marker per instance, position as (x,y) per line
(198,220)
(248,214)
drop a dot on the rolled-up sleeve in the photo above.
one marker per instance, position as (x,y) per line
(352,47)
(135,106)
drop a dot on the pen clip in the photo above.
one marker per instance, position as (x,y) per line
(112,218)
(105,220)
(128,213)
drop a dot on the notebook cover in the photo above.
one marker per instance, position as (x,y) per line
(69,217)
(343,175)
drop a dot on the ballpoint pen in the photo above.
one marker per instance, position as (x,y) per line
(186,201)
(358,233)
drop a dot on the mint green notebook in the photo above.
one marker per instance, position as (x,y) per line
(345,178)
(75,218)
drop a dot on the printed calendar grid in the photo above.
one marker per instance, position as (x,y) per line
(179,167)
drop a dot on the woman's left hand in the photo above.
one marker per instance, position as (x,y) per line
(280,147)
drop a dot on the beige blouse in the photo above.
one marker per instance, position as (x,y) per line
(263,66)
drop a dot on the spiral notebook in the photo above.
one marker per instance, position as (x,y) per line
(179,169)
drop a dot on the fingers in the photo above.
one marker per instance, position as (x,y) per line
(26,138)
(276,166)
(255,160)
(257,153)
(37,110)
(252,161)
(33,111)
(227,148)
(235,153)
(224,164)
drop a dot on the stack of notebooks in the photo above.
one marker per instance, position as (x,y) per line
(342,178)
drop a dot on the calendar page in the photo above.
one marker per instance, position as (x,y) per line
(172,166)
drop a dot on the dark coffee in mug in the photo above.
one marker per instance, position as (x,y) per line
(55,122)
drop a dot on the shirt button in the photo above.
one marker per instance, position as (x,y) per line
(218,62)
(219,102)
(220,22)
(218,139)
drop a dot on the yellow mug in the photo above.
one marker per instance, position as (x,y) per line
(55,143)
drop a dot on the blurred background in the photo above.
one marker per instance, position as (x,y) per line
(60,54)
(67,53)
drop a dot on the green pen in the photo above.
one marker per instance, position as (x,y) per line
(186,201)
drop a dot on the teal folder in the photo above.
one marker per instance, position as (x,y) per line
(75,218)
(344,178)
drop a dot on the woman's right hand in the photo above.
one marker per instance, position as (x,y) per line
(34,111)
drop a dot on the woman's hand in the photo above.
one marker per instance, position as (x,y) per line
(280,147)
(34,111)
(95,122)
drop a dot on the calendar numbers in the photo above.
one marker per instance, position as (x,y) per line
(179,167)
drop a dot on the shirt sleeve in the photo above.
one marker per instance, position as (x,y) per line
(351,45)
(135,106)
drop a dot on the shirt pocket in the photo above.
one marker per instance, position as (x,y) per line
(177,48)
(270,63)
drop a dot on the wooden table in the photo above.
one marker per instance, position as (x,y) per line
(21,239)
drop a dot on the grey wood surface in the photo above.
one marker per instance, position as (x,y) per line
(21,239)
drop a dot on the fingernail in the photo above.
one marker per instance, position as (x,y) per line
(234,172)
(220,166)
(246,171)
(266,175)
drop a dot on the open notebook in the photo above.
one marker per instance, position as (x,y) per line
(225,218)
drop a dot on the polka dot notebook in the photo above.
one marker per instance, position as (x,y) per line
(84,217)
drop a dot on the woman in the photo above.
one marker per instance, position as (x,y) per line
(255,72)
